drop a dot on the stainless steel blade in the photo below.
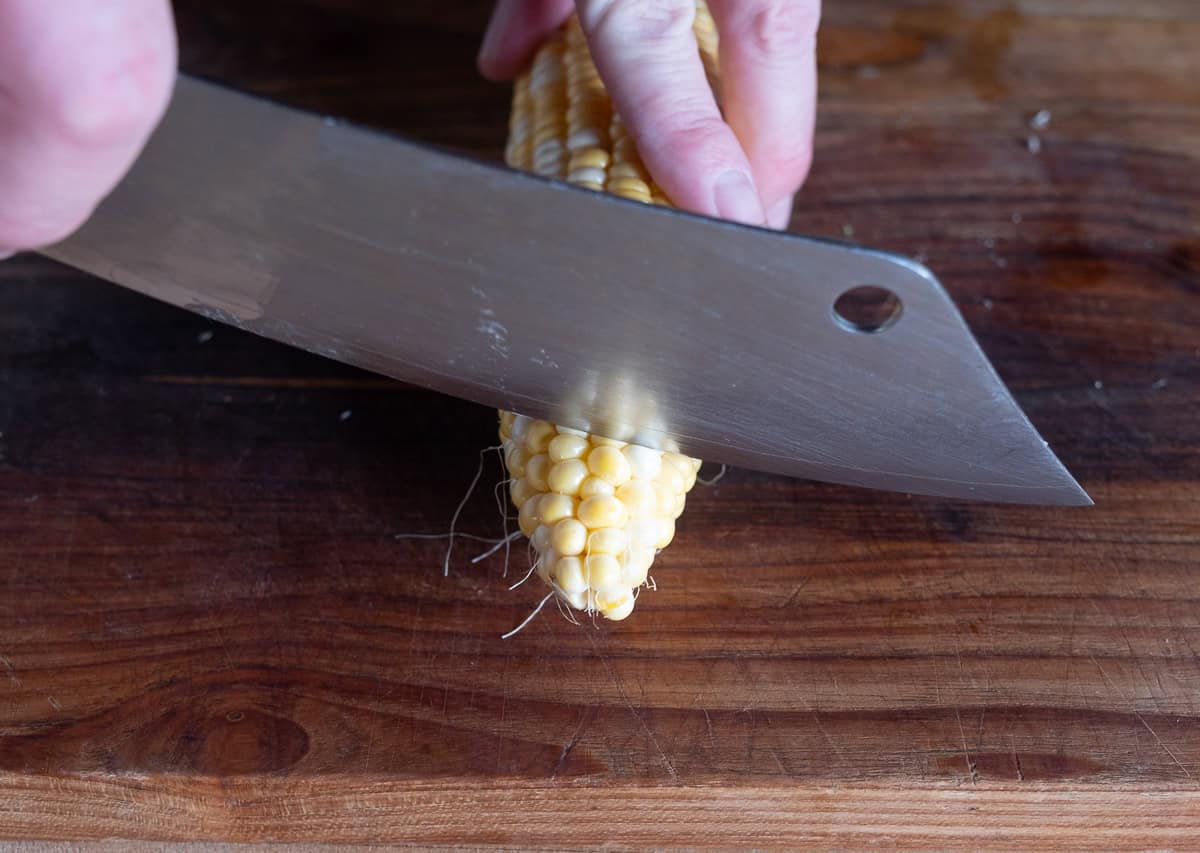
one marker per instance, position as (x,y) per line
(595,312)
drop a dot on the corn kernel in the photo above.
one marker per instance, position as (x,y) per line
(671,479)
(536,471)
(638,496)
(569,574)
(555,507)
(609,464)
(601,441)
(515,459)
(520,426)
(579,600)
(521,491)
(537,439)
(567,476)
(569,537)
(664,503)
(593,486)
(567,446)
(527,517)
(607,540)
(602,511)
(541,536)
(637,567)
(602,571)
(616,609)
(666,527)
(643,533)
(644,463)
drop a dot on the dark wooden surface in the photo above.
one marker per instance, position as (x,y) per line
(209,630)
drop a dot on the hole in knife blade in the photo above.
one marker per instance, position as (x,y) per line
(867,309)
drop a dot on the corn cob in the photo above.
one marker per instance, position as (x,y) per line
(596,510)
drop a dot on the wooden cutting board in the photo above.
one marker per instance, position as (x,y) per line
(210,628)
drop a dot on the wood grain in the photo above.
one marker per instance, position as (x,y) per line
(209,629)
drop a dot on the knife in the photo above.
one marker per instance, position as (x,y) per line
(738,344)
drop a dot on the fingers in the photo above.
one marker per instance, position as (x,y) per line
(647,55)
(82,85)
(516,30)
(769,90)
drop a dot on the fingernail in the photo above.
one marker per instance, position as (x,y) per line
(737,199)
(780,215)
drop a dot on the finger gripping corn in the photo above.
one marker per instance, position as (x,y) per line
(597,511)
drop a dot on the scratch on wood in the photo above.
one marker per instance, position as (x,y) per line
(569,745)
(1141,719)
(666,762)
(966,753)
(796,592)
(11,670)
(1016,758)
(712,741)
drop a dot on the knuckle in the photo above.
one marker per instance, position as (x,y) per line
(690,134)
(774,26)
(123,103)
(643,21)
(789,164)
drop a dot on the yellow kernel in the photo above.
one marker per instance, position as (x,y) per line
(578,600)
(567,447)
(590,158)
(682,464)
(593,178)
(664,504)
(520,426)
(515,459)
(666,533)
(628,184)
(553,508)
(537,439)
(603,571)
(569,537)
(607,540)
(521,491)
(643,533)
(680,503)
(626,170)
(541,536)
(638,496)
(616,609)
(637,567)
(671,478)
(593,486)
(601,441)
(567,476)
(568,574)
(609,464)
(527,518)
(536,471)
(644,463)
(602,511)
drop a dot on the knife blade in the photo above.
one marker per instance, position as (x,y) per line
(594,312)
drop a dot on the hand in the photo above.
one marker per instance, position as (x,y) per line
(82,85)
(743,166)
